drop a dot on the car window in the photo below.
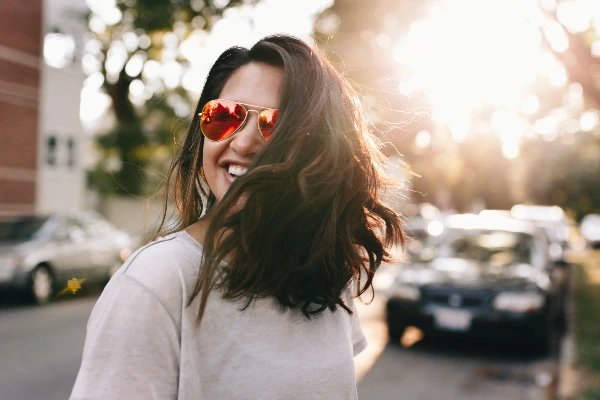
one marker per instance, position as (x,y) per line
(76,229)
(494,246)
(23,228)
(97,226)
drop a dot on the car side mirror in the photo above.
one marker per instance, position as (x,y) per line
(559,272)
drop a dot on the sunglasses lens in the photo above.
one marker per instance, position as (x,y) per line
(266,122)
(221,118)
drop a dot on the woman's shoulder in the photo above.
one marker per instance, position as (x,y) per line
(165,266)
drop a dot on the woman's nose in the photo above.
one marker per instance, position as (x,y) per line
(248,141)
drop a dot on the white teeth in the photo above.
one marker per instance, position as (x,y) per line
(237,170)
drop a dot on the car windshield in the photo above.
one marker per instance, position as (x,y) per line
(21,228)
(494,246)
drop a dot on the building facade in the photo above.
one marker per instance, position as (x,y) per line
(41,138)
(20,65)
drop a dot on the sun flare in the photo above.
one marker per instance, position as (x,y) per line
(466,54)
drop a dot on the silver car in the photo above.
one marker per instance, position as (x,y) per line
(40,253)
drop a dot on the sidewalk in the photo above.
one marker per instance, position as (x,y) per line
(580,354)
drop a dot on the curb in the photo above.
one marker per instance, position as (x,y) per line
(567,379)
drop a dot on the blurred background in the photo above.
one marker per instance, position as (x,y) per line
(488,112)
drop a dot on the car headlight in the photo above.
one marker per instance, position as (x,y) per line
(404,292)
(519,301)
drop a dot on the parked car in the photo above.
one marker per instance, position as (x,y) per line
(39,253)
(555,223)
(482,276)
(418,220)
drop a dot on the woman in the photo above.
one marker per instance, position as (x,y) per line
(250,295)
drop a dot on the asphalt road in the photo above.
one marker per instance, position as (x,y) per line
(40,347)
(40,352)
(448,369)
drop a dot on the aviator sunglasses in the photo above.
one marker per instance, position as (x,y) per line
(220,119)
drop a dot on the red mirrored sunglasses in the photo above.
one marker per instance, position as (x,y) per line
(220,119)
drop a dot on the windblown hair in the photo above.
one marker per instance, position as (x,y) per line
(306,219)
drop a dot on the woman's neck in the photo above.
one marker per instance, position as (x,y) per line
(198,232)
(198,229)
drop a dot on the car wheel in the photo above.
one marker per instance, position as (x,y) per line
(41,285)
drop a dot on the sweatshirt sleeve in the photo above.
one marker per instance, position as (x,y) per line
(131,348)
(359,341)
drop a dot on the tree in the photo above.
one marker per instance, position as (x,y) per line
(129,43)
(368,40)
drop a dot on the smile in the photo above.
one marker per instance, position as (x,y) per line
(236,170)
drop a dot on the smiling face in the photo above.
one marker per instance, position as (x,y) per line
(223,161)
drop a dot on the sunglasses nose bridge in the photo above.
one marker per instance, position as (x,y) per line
(247,119)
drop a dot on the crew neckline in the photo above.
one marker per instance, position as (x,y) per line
(189,238)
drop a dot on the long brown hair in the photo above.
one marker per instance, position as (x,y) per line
(311,218)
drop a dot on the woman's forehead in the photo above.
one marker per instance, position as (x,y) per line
(254,83)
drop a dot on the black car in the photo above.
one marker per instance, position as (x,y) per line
(486,277)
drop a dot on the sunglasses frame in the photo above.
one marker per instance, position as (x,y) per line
(262,109)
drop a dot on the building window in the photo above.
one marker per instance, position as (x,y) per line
(70,152)
(51,149)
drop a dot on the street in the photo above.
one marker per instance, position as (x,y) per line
(446,369)
(40,347)
(41,351)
